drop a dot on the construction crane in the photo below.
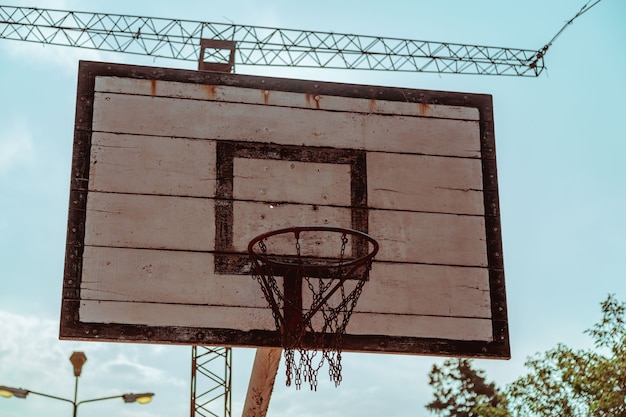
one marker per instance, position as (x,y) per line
(258,45)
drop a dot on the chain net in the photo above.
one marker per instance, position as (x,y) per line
(313,322)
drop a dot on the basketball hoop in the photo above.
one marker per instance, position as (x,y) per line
(324,268)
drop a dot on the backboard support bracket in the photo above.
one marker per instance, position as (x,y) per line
(217,49)
(262,378)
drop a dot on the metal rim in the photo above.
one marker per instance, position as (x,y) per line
(297,230)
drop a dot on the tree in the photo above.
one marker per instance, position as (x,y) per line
(461,391)
(564,381)
(560,382)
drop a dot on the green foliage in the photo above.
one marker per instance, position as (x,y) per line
(563,381)
(560,382)
(461,391)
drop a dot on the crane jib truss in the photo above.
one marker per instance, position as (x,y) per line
(257,45)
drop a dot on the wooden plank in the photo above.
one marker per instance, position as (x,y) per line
(247,319)
(158,116)
(424,183)
(445,239)
(251,219)
(170,277)
(412,237)
(291,181)
(133,275)
(187,315)
(428,290)
(145,221)
(223,93)
(152,165)
(450,328)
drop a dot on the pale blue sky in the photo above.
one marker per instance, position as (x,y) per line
(561,164)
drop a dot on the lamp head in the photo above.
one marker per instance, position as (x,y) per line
(144,398)
(8,392)
(78,359)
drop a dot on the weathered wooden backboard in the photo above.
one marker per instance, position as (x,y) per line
(175,171)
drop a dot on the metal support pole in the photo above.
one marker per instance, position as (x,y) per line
(75,396)
(211,380)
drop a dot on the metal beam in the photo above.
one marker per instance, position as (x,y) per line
(258,45)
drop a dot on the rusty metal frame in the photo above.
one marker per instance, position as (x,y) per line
(222,52)
(211,381)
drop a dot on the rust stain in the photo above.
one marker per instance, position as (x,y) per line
(211,91)
(372,106)
(266,96)
(424,109)
(313,101)
(153,86)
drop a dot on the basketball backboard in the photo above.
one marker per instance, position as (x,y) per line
(175,171)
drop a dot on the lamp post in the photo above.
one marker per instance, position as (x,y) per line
(78,359)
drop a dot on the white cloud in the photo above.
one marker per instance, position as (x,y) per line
(123,366)
(32,357)
(16,145)
(30,351)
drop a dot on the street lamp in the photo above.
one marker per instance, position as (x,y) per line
(78,359)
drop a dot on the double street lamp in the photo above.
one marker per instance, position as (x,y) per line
(78,359)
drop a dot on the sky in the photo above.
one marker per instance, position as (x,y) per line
(561,167)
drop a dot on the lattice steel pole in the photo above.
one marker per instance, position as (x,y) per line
(211,381)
